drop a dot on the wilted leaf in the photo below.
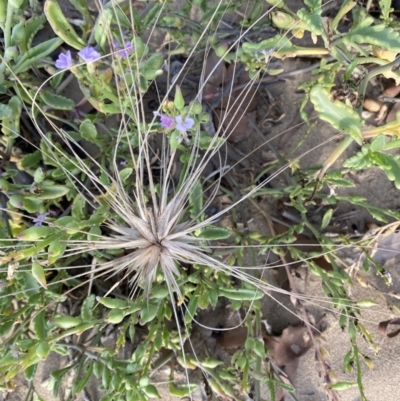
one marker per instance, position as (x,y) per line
(383,326)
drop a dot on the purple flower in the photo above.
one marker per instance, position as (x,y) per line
(64,60)
(123,163)
(89,53)
(127,50)
(124,52)
(167,121)
(182,125)
(40,219)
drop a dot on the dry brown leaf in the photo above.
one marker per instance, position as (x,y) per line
(233,338)
(233,114)
(383,326)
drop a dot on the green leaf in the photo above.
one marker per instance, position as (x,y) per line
(125,173)
(38,175)
(57,102)
(148,313)
(213,233)
(277,42)
(35,233)
(358,161)
(102,27)
(39,324)
(56,377)
(115,316)
(181,390)
(113,303)
(61,26)
(339,386)
(377,35)
(31,160)
(366,303)
(30,374)
(32,27)
(174,141)
(5,111)
(327,218)
(241,294)
(259,348)
(18,33)
(39,275)
(282,20)
(66,322)
(87,308)
(10,125)
(378,143)
(49,192)
(43,350)
(196,200)
(312,20)
(36,53)
(56,249)
(338,114)
(78,207)
(88,131)
(191,309)
(179,101)
(151,391)
(385,8)
(82,383)
(154,62)
(394,173)
(151,15)
(30,205)
(314,5)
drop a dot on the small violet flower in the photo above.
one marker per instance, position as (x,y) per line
(182,125)
(123,163)
(64,60)
(124,52)
(89,53)
(167,121)
(40,219)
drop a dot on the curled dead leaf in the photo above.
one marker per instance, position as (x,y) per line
(383,326)
(233,338)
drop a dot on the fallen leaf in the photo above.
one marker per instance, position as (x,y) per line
(233,338)
(383,326)
(232,116)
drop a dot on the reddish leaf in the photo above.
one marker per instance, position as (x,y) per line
(382,327)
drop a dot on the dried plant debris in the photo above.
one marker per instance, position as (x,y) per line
(284,351)
(233,111)
(383,327)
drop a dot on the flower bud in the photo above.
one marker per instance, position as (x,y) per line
(11,53)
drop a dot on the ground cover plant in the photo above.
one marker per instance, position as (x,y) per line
(131,134)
